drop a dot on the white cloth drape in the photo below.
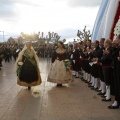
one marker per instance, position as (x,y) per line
(105,19)
(113,5)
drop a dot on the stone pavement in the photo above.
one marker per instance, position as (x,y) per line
(72,102)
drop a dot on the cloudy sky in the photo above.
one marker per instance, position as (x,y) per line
(64,17)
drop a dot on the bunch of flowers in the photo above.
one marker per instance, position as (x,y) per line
(67,64)
(19,66)
(117,29)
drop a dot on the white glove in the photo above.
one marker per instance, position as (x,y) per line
(91,63)
(74,61)
(71,56)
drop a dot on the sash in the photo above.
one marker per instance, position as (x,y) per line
(30,59)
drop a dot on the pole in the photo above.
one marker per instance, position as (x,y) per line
(3,35)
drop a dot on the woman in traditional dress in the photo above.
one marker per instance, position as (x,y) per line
(59,73)
(28,67)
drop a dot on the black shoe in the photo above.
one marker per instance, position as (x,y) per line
(83,80)
(29,88)
(86,81)
(98,90)
(94,88)
(101,93)
(89,83)
(113,107)
(90,86)
(76,77)
(103,96)
(106,100)
(59,85)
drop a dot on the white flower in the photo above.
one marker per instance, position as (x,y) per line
(20,63)
(67,60)
(117,29)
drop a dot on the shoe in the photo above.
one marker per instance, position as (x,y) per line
(59,85)
(89,83)
(86,81)
(106,100)
(29,88)
(76,77)
(113,107)
(103,96)
(101,93)
(82,79)
(90,86)
(98,90)
(94,88)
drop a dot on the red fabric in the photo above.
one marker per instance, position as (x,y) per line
(83,59)
(115,21)
(76,59)
(71,68)
(98,63)
(105,66)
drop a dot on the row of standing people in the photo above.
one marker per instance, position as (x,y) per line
(99,64)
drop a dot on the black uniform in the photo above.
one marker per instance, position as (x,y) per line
(94,67)
(7,54)
(76,57)
(106,65)
(117,76)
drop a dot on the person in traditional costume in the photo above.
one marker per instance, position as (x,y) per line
(28,67)
(94,66)
(99,54)
(83,58)
(7,53)
(87,67)
(107,69)
(116,103)
(60,72)
(75,60)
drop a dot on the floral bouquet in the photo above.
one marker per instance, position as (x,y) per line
(67,64)
(19,66)
(20,63)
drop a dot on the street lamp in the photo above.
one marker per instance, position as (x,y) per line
(3,35)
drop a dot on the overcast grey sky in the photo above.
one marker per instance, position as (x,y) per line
(62,16)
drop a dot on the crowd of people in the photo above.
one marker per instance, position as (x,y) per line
(8,52)
(98,65)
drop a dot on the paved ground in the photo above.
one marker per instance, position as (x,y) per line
(71,102)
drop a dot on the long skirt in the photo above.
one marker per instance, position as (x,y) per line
(58,73)
(108,75)
(29,75)
(94,71)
